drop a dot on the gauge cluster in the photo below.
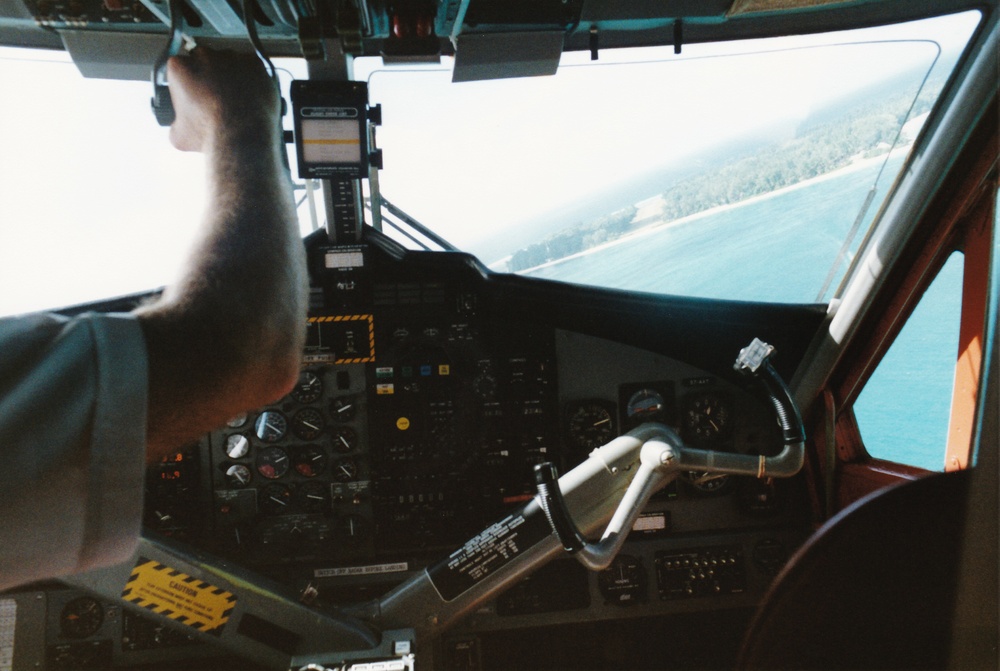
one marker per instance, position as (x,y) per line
(382,461)
(416,421)
(705,416)
(429,390)
(291,477)
(422,407)
(427,395)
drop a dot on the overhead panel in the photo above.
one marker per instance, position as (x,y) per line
(757,6)
(637,12)
(520,38)
(97,54)
(220,15)
(503,55)
(483,15)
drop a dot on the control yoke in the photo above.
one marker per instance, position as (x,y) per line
(663,455)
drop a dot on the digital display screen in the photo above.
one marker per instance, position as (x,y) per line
(651,523)
(344,260)
(331,141)
(331,129)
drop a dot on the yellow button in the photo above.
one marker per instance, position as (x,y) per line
(402,423)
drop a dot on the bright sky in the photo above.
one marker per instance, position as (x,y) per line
(96,203)
(91,189)
(515,149)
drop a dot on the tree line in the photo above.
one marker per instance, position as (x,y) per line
(817,149)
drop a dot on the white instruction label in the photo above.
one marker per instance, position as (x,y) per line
(374,569)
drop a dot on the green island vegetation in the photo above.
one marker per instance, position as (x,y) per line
(820,147)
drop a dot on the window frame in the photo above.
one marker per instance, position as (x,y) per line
(961,217)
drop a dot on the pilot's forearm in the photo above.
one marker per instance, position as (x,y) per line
(228,335)
(246,276)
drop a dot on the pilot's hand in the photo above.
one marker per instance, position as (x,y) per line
(220,96)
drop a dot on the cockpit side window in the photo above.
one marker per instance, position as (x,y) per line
(918,407)
(903,410)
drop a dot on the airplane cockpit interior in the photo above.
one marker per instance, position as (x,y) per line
(652,334)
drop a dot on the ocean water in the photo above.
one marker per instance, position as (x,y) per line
(904,409)
(777,248)
(780,248)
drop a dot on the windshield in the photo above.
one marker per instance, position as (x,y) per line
(746,170)
(96,202)
(743,170)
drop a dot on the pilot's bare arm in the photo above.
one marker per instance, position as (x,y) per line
(228,335)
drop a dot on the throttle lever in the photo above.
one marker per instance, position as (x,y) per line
(161,103)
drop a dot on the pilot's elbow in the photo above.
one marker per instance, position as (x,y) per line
(236,363)
(269,364)
(284,372)
(266,349)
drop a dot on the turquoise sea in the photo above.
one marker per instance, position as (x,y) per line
(780,248)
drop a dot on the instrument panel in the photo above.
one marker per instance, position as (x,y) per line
(418,417)
(424,403)
(429,390)
(414,424)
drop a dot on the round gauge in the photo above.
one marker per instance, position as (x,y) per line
(275,499)
(485,385)
(646,405)
(237,446)
(343,408)
(271,426)
(312,497)
(309,461)
(352,527)
(591,424)
(309,387)
(345,470)
(272,462)
(624,582)
(237,421)
(344,439)
(81,617)
(308,423)
(706,417)
(238,476)
(706,483)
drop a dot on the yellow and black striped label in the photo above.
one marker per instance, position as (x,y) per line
(344,351)
(161,589)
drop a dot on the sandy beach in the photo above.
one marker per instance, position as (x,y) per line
(655,224)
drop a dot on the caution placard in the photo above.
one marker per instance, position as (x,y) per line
(180,597)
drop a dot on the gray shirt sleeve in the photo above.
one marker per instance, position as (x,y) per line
(73,396)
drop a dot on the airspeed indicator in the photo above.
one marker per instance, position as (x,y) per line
(590,425)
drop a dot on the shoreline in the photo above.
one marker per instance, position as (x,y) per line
(659,225)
